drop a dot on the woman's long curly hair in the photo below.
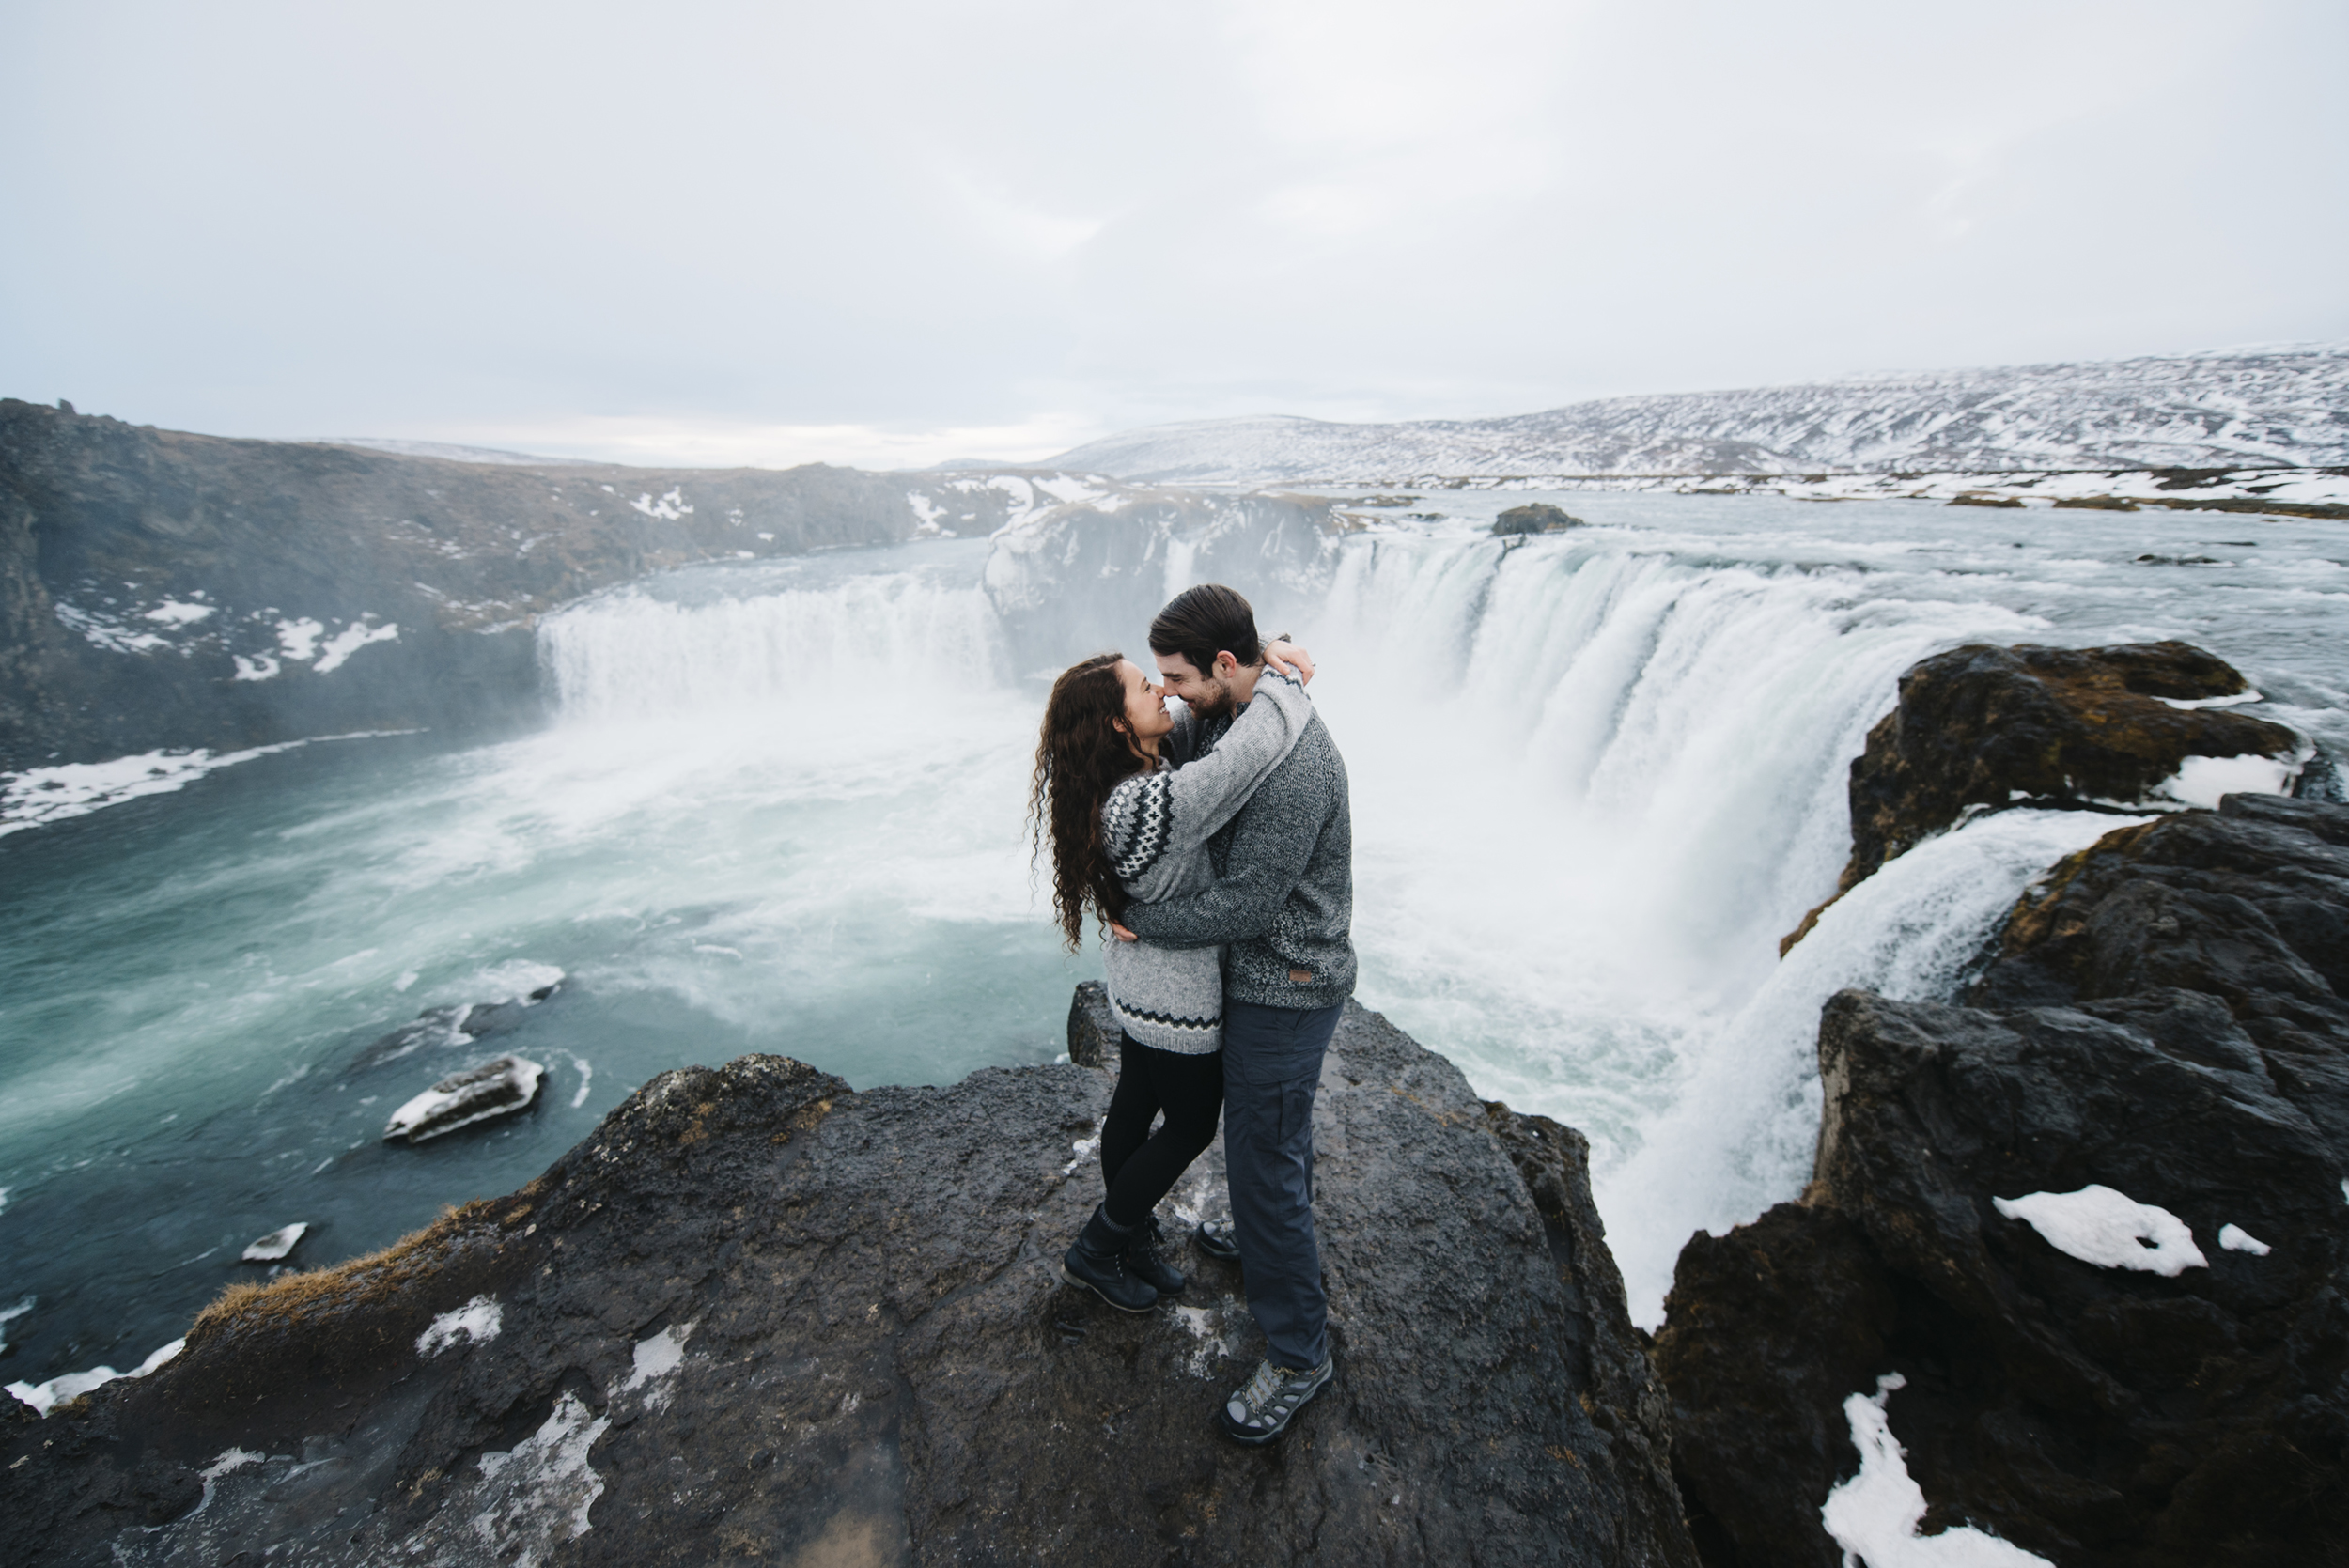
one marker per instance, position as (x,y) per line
(1081,755)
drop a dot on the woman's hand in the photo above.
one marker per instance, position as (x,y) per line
(1288,657)
(1122,934)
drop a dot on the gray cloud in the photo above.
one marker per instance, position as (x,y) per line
(763,233)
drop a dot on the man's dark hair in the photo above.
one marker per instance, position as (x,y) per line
(1200,623)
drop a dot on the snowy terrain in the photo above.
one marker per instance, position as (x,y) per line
(2271,408)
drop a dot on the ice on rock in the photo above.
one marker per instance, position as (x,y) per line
(2234,1238)
(275,1245)
(1874,1516)
(498,1087)
(476,1322)
(45,1397)
(2201,781)
(2108,1229)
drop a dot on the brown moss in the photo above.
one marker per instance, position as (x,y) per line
(2031,921)
(292,1298)
(2276,508)
(1786,943)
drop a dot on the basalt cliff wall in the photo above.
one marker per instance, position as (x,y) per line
(162,589)
(760,1315)
(2162,1016)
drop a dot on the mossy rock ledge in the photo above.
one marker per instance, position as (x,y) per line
(758,1315)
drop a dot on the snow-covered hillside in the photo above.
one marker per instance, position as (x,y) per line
(2231,409)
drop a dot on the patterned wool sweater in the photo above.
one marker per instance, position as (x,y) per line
(1156,827)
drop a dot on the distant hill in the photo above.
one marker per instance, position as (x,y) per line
(2228,409)
(449,453)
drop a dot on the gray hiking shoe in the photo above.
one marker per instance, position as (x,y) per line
(1260,1410)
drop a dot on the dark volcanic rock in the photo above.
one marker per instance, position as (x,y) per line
(2174,1029)
(2226,933)
(138,567)
(1535,517)
(757,1314)
(1982,726)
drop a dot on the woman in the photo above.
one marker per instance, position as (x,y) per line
(1126,824)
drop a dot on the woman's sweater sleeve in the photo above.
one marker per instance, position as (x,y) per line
(1153,822)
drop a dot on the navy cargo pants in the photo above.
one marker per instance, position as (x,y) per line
(1271,1069)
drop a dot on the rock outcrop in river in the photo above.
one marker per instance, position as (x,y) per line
(760,1315)
(160,589)
(1984,728)
(2165,1018)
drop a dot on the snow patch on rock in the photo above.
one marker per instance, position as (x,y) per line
(538,1496)
(2234,1238)
(654,1363)
(2108,1229)
(476,1322)
(357,635)
(45,1397)
(275,1245)
(2200,781)
(1874,1516)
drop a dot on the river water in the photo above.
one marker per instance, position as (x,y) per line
(1594,780)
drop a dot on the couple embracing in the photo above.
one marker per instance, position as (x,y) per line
(1217,848)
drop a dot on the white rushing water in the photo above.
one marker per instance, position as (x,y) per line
(1595,778)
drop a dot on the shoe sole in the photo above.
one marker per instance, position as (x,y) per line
(1097,1290)
(1257,1440)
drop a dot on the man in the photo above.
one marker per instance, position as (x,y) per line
(1283,900)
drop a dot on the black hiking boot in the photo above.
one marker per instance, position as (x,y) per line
(1097,1263)
(1214,1238)
(1144,1262)
(1261,1408)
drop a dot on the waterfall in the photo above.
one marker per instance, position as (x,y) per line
(750,642)
(1596,777)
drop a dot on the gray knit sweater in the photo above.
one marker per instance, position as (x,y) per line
(1284,893)
(1156,826)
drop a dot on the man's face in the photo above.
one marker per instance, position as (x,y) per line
(1205,692)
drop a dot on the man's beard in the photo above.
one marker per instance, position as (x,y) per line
(1214,703)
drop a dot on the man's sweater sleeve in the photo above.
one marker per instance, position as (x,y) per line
(1272,845)
(1154,823)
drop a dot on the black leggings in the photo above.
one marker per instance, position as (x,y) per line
(1138,1166)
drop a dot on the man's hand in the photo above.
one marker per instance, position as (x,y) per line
(1289,658)
(1122,934)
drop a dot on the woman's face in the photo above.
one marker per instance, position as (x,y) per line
(1145,705)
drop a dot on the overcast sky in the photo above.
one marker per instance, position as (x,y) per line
(894,233)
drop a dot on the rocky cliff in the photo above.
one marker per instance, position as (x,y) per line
(2137,726)
(2080,1246)
(760,1315)
(161,589)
